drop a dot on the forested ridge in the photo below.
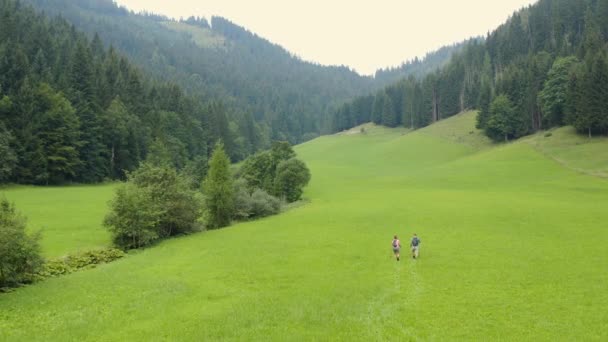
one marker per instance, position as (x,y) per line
(289,98)
(72,110)
(545,67)
(420,67)
(75,108)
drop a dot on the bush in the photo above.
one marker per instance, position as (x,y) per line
(242,200)
(73,263)
(253,205)
(548,134)
(263,204)
(134,217)
(155,203)
(19,252)
(292,177)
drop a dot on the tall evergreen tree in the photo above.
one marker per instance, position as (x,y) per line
(59,132)
(8,159)
(218,189)
(389,117)
(554,95)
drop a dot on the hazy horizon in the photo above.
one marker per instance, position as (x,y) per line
(362,36)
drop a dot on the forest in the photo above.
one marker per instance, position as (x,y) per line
(218,60)
(545,67)
(72,110)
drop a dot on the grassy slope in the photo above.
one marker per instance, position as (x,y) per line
(513,249)
(202,37)
(574,151)
(70,218)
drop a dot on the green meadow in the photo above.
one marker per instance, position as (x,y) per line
(513,248)
(69,218)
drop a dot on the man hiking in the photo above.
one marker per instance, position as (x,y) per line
(415,246)
(396,246)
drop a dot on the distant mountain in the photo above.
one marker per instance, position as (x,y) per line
(289,98)
(89,89)
(419,68)
(221,60)
(546,66)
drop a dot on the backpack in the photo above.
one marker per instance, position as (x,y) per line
(415,242)
(395,243)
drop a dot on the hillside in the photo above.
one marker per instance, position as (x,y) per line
(419,67)
(497,259)
(544,67)
(73,111)
(219,60)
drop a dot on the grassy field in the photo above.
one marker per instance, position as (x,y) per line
(513,248)
(69,218)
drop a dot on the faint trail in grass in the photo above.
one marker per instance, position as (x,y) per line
(534,143)
(387,312)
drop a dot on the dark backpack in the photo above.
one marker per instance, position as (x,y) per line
(395,243)
(415,241)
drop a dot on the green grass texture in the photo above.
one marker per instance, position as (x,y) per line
(69,218)
(513,249)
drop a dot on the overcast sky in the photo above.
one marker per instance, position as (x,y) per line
(364,35)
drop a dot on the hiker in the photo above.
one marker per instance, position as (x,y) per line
(396,246)
(415,246)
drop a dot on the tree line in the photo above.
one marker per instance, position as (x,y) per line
(157,202)
(545,67)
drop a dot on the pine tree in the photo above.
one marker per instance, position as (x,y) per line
(554,95)
(218,189)
(59,130)
(117,127)
(485,98)
(378,107)
(596,95)
(389,117)
(8,159)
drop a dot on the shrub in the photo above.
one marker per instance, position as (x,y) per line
(155,203)
(260,170)
(292,177)
(264,204)
(73,263)
(19,252)
(242,200)
(134,217)
(252,205)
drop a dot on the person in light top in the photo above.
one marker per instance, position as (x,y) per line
(396,246)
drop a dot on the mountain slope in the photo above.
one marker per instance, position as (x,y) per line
(221,60)
(74,111)
(544,67)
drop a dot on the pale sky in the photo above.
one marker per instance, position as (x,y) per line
(364,35)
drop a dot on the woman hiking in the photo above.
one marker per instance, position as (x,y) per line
(396,246)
